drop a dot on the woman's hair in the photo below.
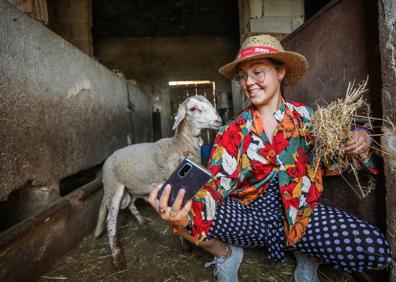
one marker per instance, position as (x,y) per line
(278,65)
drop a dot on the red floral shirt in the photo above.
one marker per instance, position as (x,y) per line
(244,162)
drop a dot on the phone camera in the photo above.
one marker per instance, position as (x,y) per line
(185,169)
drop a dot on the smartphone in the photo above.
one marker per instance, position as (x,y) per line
(188,176)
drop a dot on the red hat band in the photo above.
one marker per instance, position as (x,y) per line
(255,50)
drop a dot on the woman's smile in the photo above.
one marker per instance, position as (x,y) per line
(255,92)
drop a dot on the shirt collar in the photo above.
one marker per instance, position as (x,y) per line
(257,124)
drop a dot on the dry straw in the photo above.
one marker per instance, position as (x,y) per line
(332,126)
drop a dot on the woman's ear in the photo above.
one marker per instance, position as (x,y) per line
(282,73)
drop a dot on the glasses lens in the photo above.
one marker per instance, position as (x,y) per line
(258,76)
(238,78)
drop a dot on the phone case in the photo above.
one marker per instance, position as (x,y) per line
(191,182)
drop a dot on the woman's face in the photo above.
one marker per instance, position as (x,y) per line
(260,81)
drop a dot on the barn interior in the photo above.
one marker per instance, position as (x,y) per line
(81,79)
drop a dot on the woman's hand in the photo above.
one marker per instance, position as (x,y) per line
(175,215)
(359,143)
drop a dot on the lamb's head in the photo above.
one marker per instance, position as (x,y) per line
(199,113)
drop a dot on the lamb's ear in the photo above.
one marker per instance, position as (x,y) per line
(181,114)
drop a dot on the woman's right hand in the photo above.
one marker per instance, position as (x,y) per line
(175,215)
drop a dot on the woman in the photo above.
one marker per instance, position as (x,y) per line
(265,188)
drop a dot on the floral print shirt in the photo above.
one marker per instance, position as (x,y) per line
(244,162)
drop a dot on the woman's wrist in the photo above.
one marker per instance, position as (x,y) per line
(177,228)
(368,131)
(179,225)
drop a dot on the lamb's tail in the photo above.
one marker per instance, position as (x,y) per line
(100,225)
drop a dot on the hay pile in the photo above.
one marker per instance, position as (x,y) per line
(332,126)
(153,253)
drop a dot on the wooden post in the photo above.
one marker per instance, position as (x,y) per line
(387,47)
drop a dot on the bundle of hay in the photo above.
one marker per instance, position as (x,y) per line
(332,126)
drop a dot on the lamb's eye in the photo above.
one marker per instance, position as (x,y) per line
(195,109)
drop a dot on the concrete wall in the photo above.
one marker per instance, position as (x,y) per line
(153,62)
(341,45)
(387,39)
(60,111)
(278,17)
(140,111)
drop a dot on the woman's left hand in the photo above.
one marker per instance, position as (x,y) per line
(359,144)
(175,215)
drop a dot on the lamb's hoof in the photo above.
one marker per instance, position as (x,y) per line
(118,259)
(185,245)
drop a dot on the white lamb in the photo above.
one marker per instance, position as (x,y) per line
(138,167)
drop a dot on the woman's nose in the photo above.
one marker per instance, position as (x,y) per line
(249,80)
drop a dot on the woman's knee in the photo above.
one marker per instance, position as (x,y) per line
(372,251)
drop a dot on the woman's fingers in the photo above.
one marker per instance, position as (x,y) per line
(178,202)
(351,141)
(152,198)
(163,201)
(359,149)
(181,217)
(186,207)
(177,215)
(359,143)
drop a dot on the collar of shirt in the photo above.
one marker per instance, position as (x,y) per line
(257,124)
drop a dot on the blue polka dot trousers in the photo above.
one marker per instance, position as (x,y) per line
(332,236)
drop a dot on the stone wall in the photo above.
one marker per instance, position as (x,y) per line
(37,9)
(61,111)
(278,17)
(72,19)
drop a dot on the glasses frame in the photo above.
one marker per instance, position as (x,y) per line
(254,76)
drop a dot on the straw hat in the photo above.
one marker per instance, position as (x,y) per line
(266,46)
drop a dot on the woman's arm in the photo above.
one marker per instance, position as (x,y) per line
(200,211)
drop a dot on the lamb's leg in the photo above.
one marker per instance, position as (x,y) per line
(118,259)
(141,220)
(101,218)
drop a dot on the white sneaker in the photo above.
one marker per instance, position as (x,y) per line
(306,269)
(226,270)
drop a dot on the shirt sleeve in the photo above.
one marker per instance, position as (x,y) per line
(223,164)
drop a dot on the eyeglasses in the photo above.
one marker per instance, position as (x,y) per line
(256,76)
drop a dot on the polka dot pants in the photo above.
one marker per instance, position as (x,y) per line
(332,235)
(345,241)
